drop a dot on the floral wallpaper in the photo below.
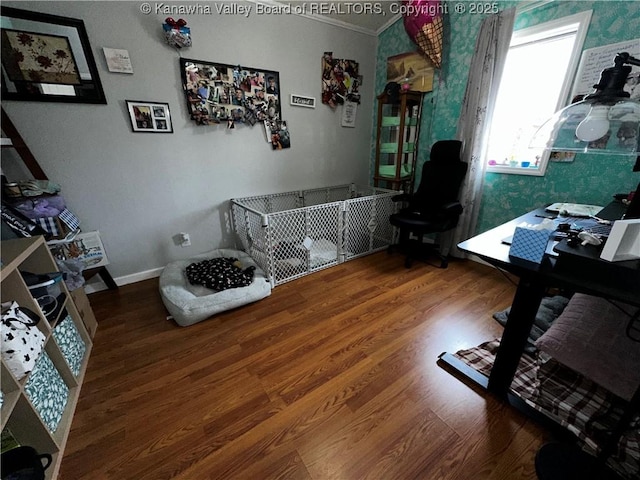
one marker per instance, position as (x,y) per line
(589,179)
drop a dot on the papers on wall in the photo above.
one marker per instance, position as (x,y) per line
(594,60)
(118,60)
(349,111)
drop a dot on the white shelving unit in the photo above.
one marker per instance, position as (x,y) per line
(30,419)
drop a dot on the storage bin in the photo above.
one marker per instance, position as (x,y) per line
(70,343)
(296,233)
(47,392)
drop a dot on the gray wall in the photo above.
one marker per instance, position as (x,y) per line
(141,189)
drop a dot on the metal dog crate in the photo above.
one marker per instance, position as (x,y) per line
(297,233)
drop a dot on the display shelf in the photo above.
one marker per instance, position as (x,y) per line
(397,138)
(61,367)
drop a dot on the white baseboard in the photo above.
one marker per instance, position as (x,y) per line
(96,284)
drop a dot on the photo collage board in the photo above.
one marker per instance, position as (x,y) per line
(340,81)
(220,93)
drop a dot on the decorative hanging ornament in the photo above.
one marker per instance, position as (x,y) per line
(423,22)
(177,33)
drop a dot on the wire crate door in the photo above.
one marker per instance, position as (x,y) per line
(367,227)
(305,240)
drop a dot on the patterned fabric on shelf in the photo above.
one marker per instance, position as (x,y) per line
(69,340)
(47,392)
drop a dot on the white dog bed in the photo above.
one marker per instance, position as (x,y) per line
(189,304)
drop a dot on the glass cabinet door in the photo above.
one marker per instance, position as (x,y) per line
(396,148)
(389,139)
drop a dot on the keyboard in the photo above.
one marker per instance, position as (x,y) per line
(592,226)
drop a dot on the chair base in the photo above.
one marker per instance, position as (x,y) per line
(416,250)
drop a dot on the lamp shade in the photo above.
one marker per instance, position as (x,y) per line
(593,126)
(605,122)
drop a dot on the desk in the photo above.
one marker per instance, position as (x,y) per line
(615,281)
(576,269)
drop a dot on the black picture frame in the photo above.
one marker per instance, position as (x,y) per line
(149,117)
(42,46)
(210,89)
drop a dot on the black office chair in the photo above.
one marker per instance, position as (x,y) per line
(434,207)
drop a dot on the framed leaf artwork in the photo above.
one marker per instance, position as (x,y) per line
(47,58)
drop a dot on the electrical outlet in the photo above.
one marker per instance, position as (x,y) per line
(186,240)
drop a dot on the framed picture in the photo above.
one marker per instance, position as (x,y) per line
(220,93)
(47,58)
(150,117)
(302,101)
(413,68)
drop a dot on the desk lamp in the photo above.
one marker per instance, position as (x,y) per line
(605,122)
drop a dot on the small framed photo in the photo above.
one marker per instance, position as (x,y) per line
(150,117)
(302,101)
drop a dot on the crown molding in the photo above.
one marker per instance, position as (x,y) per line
(335,22)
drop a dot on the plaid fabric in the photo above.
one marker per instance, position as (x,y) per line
(69,219)
(49,224)
(580,405)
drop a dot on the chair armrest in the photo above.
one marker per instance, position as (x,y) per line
(441,212)
(451,208)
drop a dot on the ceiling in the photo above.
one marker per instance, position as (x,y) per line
(365,16)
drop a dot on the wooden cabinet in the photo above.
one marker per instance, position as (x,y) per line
(397,137)
(37,410)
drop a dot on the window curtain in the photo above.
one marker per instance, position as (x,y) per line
(486,68)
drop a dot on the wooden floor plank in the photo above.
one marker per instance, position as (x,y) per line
(333,376)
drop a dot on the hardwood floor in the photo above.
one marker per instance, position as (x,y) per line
(333,376)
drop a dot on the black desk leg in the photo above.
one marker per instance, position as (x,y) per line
(107,278)
(523,313)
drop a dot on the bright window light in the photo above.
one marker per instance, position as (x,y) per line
(535,84)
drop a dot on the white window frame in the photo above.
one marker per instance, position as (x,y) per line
(552,28)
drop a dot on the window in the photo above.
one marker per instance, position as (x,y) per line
(536,81)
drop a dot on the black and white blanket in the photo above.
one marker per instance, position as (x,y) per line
(219,274)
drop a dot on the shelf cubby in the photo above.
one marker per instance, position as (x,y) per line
(61,366)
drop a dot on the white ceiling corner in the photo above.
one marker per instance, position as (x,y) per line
(367,17)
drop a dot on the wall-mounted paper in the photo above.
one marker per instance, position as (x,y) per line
(118,61)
